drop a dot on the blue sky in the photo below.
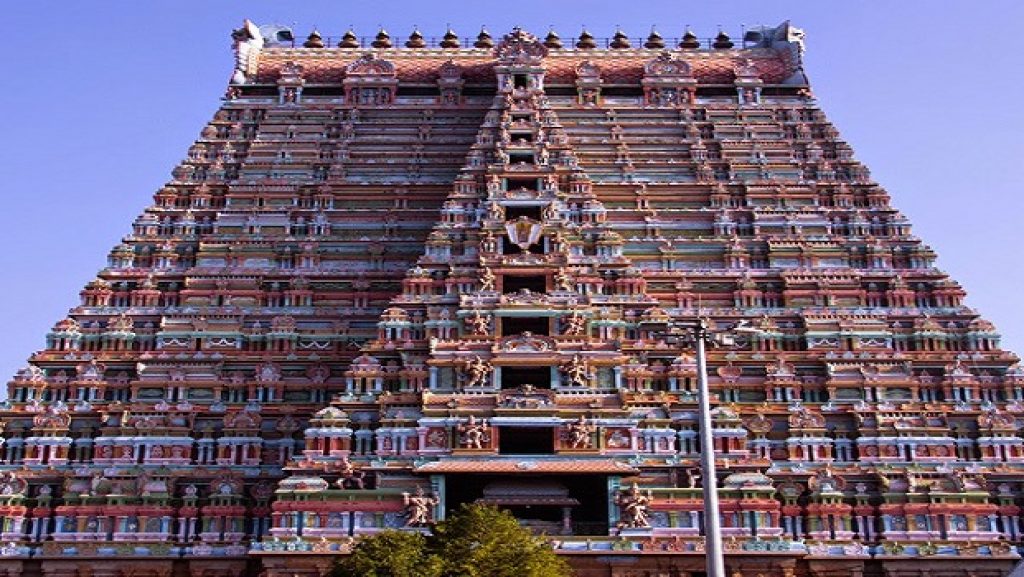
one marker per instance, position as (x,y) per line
(101,99)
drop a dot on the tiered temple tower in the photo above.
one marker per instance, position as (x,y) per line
(388,281)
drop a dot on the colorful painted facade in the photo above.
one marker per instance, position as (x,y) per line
(390,280)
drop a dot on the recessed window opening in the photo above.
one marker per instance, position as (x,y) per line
(509,247)
(517,377)
(513,283)
(518,183)
(521,158)
(511,326)
(527,441)
(514,212)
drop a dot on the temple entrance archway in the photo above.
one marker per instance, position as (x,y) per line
(552,504)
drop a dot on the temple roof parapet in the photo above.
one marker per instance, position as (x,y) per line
(771,54)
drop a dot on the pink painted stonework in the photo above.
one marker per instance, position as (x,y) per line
(392,279)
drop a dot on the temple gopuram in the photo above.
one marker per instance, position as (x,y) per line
(395,276)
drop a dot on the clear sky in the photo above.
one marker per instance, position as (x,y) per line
(101,99)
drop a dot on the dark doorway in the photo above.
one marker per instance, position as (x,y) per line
(513,284)
(519,325)
(514,212)
(518,183)
(516,377)
(590,517)
(526,441)
(521,157)
(508,247)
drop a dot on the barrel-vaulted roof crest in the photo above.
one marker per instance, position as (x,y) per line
(450,70)
(370,65)
(520,47)
(587,70)
(667,65)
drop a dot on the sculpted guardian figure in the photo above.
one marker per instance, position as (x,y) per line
(633,505)
(419,508)
(474,433)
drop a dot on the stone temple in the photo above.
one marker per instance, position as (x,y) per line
(395,276)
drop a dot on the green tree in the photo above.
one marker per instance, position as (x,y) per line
(475,541)
(389,554)
(484,541)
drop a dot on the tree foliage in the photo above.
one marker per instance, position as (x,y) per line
(389,554)
(476,541)
(482,541)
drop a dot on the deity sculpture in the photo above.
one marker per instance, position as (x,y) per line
(577,371)
(474,433)
(633,504)
(575,325)
(487,279)
(419,508)
(578,433)
(479,324)
(478,370)
(351,477)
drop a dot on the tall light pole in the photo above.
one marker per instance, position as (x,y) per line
(712,524)
(698,331)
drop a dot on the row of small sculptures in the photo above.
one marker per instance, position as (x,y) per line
(475,434)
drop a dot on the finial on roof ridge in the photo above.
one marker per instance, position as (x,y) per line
(586,40)
(654,40)
(619,39)
(349,39)
(314,40)
(689,40)
(382,40)
(451,39)
(722,41)
(483,39)
(553,40)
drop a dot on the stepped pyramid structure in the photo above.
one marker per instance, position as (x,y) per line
(388,281)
